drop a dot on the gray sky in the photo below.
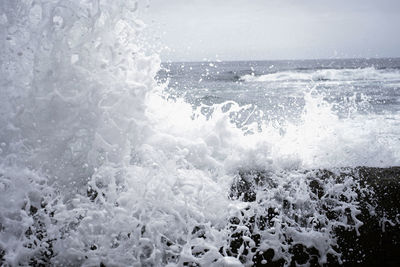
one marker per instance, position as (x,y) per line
(274,29)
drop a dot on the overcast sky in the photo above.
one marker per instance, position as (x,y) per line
(274,29)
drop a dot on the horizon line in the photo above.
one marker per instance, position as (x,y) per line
(263,60)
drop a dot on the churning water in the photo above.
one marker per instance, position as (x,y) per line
(108,157)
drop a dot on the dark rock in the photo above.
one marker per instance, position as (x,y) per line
(33,210)
(377,242)
(191,264)
(199,231)
(91,193)
(2,254)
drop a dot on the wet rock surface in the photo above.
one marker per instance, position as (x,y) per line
(367,236)
(359,207)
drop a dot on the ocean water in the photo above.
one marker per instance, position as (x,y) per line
(278,87)
(109,157)
(338,102)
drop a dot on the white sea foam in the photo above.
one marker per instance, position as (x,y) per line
(80,107)
(366,74)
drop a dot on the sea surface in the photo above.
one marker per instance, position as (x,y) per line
(278,87)
(109,157)
(350,96)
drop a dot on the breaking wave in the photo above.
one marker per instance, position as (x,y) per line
(365,74)
(100,167)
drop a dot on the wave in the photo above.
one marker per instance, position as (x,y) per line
(100,166)
(365,74)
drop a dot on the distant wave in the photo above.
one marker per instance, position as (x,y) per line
(230,76)
(327,75)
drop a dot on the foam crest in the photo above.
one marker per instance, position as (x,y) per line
(364,74)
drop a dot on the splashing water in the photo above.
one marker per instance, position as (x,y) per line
(99,164)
